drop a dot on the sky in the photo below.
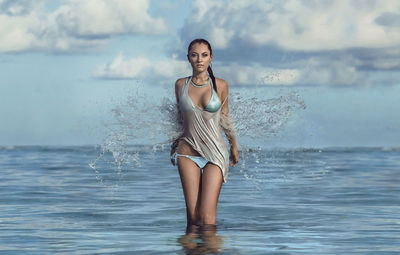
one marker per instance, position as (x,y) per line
(64,64)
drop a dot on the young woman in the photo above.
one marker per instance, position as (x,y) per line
(202,102)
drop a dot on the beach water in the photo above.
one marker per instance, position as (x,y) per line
(280,201)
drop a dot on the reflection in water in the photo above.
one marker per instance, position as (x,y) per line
(201,240)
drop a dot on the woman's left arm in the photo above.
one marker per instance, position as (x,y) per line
(227,126)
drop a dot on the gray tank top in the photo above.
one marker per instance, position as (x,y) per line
(202,131)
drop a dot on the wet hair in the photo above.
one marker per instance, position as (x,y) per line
(209,69)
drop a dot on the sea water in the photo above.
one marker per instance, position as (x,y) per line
(294,201)
(123,196)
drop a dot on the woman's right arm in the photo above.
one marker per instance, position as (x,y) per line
(227,125)
(178,88)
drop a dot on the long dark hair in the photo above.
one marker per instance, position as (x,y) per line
(209,69)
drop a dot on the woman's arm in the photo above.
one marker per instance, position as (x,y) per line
(178,89)
(227,125)
(174,145)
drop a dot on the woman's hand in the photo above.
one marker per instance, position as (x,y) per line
(174,148)
(234,157)
(171,155)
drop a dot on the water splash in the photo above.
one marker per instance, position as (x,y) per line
(259,118)
(146,122)
(140,119)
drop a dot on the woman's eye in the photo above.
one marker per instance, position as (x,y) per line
(205,55)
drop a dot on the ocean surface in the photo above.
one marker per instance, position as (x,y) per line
(277,201)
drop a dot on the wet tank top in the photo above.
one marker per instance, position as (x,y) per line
(202,129)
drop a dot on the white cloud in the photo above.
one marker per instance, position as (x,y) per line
(342,71)
(158,71)
(142,68)
(297,24)
(18,7)
(299,42)
(384,59)
(256,74)
(73,26)
(108,17)
(312,71)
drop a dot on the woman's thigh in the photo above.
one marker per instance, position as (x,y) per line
(190,175)
(211,183)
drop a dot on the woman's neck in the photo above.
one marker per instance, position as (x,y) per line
(200,77)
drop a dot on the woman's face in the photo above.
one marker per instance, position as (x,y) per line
(199,57)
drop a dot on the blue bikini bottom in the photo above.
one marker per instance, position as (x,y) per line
(200,161)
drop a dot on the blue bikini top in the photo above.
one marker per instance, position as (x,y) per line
(187,104)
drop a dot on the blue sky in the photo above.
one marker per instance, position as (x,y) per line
(65,64)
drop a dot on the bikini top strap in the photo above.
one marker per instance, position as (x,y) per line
(224,100)
(187,80)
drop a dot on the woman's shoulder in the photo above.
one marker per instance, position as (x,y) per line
(221,83)
(180,82)
(179,85)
